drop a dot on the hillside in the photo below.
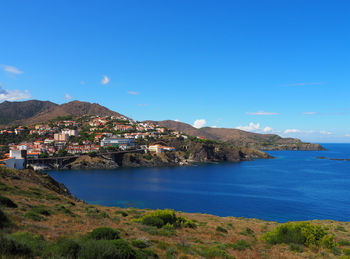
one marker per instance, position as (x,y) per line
(241,138)
(10,112)
(33,111)
(39,218)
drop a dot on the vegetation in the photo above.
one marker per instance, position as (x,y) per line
(4,220)
(303,233)
(165,218)
(241,245)
(6,202)
(63,227)
(221,229)
(103,233)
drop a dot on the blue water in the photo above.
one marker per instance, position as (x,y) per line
(294,186)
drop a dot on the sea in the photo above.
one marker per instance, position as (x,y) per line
(294,186)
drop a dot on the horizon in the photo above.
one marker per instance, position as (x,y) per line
(272,67)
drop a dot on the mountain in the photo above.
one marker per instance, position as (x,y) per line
(34,111)
(17,111)
(241,138)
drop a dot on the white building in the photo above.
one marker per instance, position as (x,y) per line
(70,132)
(116,142)
(160,148)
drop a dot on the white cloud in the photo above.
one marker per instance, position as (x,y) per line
(298,131)
(214,126)
(251,127)
(323,132)
(347,135)
(305,84)
(288,131)
(199,123)
(267,129)
(15,95)
(133,93)
(262,113)
(12,70)
(67,97)
(309,113)
(177,120)
(105,80)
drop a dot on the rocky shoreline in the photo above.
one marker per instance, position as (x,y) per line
(294,146)
(188,153)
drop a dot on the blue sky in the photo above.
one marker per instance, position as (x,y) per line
(264,66)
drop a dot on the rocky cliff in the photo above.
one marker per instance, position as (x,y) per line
(88,162)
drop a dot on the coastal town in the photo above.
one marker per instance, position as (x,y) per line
(67,136)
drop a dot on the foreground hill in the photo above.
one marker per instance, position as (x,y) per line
(34,111)
(40,218)
(241,138)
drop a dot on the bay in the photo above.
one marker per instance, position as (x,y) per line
(293,186)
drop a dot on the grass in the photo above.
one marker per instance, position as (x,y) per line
(221,229)
(240,245)
(34,216)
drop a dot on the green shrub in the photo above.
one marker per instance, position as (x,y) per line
(103,233)
(344,242)
(95,213)
(160,218)
(346,251)
(221,229)
(101,249)
(171,253)
(41,210)
(146,253)
(181,221)
(328,241)
(123,213)
(4,220)
(336,250)
(153,221)
(214,252)
(303,233)
(241,245)
(6,202)
(168,216)
(248,232)
(140,243)
(341,229)
(36,243)
(189,224)
(64,210)
(10,247)
(33,216)
(66,248)
(296,248)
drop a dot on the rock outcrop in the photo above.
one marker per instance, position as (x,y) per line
(88,162)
